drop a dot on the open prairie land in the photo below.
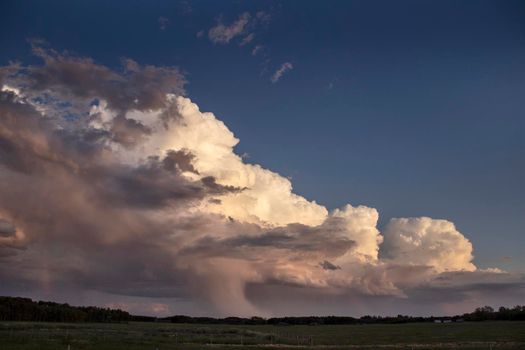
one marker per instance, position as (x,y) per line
(135,336)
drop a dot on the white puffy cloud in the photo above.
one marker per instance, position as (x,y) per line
(429,242)
(361,225)
(266,198)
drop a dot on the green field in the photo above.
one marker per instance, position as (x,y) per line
(134,336)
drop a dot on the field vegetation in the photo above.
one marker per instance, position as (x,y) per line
(161,335)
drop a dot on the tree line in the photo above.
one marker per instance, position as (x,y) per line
(25,309)
(485,313)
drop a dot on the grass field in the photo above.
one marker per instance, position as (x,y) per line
(134,336)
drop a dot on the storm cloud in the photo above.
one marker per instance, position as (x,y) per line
(116,187)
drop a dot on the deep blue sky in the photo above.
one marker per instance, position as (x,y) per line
(412,107)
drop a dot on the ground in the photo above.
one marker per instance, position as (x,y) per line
(152,336)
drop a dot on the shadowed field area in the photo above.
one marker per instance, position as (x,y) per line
(136,335)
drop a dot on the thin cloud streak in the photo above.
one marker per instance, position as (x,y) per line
(285,67)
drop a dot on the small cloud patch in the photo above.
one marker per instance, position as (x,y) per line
(285,67)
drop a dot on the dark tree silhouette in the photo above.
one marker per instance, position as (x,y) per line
(24,309)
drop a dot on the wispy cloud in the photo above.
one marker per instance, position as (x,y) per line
(163,22)
(331,84)
(263,17)
(285,67)
(245,26)
(223,34)
(256,49)
(185,7)
(247,39)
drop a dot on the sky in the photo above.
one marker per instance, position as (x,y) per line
(263,157)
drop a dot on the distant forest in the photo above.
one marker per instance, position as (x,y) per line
(25,309)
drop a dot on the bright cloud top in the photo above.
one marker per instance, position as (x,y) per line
(425,241)
(135,191)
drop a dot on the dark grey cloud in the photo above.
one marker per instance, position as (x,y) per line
(469,288)
(303,238)
(327,265)
(24,143)
(6,228)
(256,243)
(211,184)
(80,80)
(128,132)
(179,160)
(76,202)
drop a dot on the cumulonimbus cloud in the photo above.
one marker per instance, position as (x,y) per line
(113,182)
